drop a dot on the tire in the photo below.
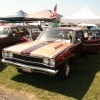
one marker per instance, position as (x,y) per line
(63,73)
(20,71)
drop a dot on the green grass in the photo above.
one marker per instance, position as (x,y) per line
(83,83)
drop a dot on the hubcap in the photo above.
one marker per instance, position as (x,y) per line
(67,70)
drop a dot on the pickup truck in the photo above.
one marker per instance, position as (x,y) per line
(53,51)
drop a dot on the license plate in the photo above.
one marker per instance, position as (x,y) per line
(26,69)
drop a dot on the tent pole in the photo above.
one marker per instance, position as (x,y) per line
(23,21)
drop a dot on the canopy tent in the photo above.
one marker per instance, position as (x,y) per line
(4,21)
(84,24)
(18,16)
(84,15)
(42,16)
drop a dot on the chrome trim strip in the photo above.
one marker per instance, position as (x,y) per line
(26,60)
(45,70)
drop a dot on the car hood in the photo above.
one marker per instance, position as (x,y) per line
(39,48)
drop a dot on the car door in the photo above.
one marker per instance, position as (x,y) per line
(9,37)
(77,41)
(13,37)
(91,44)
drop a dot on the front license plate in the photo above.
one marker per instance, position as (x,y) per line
(26,69)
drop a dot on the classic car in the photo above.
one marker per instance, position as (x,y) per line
(52,52)
(13,34)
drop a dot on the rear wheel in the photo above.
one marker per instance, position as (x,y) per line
(64,71)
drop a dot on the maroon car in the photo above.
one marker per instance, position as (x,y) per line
(53,51)
(14,34)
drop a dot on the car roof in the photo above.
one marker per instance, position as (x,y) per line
(67,28)
(98,28)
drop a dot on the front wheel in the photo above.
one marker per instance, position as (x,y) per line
(63,73)
(20,71)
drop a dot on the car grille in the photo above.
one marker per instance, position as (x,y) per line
(28,58)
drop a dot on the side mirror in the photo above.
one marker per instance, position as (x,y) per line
(86,35)
(79,40)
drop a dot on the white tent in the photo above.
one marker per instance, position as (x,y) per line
(85,24)
(82,16)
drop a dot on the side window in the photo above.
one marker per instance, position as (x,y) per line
(94,34)
(70,35)
(13,32)
(78,36)
(24,32)
(97,34)
(3,33)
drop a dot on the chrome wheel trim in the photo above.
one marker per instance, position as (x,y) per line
(67,70)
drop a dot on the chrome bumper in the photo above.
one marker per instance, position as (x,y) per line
(32,68)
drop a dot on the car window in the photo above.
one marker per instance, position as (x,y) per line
(24,31)
(21,30)
(95,34)
(3,32)
(35,30)
(56,35)
(78,37)
(13,32)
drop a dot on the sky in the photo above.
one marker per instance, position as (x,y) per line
(64,7)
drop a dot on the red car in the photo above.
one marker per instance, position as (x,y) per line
(14,34)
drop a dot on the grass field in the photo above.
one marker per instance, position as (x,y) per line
(83,83)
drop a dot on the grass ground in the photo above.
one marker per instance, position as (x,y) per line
(83,83)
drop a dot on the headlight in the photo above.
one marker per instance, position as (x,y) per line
(49,62)
(10,54)
(52,62)
(4,54)
(45,61)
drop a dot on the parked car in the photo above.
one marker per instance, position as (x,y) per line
(13,34)
(95,32)
(52,52)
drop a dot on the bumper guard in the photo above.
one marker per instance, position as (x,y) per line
(30,68)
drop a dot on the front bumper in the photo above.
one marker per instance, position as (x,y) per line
(31,68)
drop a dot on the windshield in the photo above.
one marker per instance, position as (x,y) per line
(55,35)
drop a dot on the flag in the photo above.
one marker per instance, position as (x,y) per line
(54,12)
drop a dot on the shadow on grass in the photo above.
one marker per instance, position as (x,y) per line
(2,66)
(76,86)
